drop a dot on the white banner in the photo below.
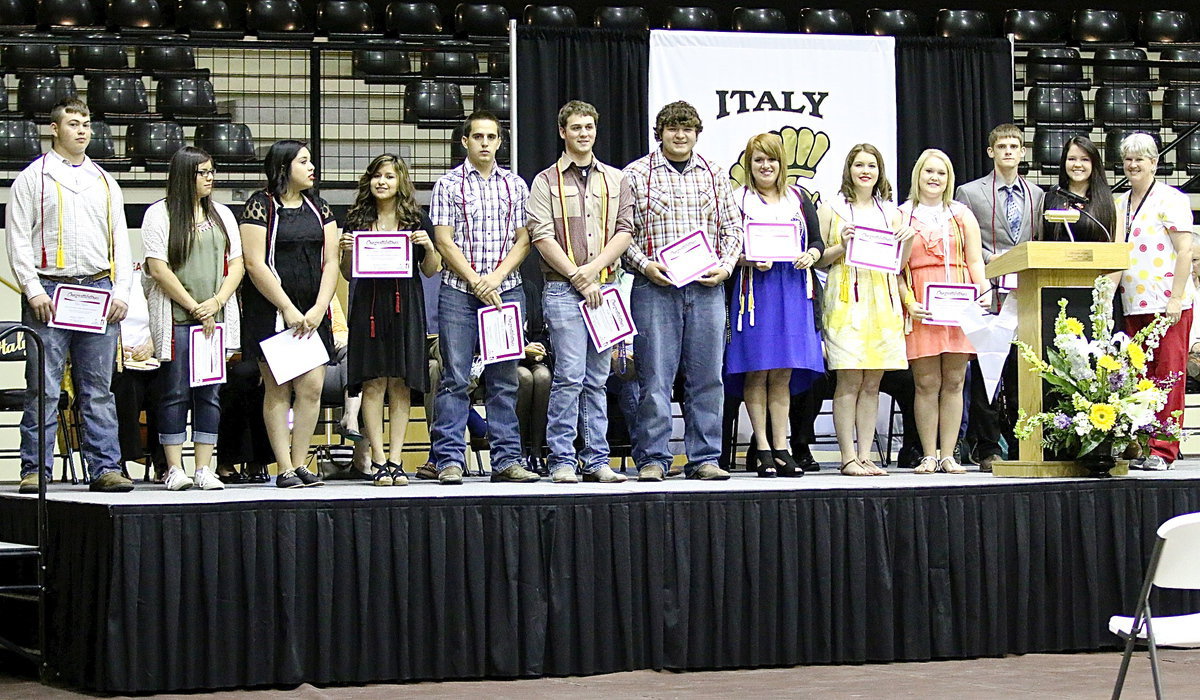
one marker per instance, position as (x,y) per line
(823,94)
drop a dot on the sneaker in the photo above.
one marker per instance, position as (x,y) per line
(604,475)
(650,472)
(308,478)
(29,483)
(709,472)
(564,475)
(205,480)
(451,475)
(178,480)
(516,474)
(289,480)
(1155,463)
(428,472)
(112,482)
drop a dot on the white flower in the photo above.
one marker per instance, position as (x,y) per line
(1083,425)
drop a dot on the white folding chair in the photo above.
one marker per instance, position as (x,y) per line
(1174,563)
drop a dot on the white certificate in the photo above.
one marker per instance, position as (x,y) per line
(688,258)
(382,254)
(609,323)
(289,356)
(947,302)
(206,356)
(78,308)
(768,241)
(500,334)
(874,249)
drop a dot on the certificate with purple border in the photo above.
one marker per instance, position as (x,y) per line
(500,333)
(78,308)
(874,249)
(382,254)
(206,360)
(688,258)
(946,302)
(772,241)
(609,323)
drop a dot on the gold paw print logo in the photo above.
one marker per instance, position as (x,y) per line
(803,150)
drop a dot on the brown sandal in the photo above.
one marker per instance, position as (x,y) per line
(855,468)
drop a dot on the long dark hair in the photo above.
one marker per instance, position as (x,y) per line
(882,188)
(181,205)
(1100,198)
(278,166)
(363,213)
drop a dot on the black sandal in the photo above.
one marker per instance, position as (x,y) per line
(383,475)
(766,463)
(785,465)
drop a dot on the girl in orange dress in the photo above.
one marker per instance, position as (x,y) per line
(946,249)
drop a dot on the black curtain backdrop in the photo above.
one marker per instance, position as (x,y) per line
(949,95)
(610,69)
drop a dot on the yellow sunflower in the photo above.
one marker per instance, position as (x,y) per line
(1145,385)
(1103,416)
(1137,356)
(1107,362)
(1074,327)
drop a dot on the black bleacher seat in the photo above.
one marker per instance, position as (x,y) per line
(624,17)
(20,142)
(702,18)
(16,13)
(125,15)
(117,98)
(412,18)
(167,59)
(964,23)
(153,141)
(37,94)
(67,14)
(1048,143)
(205,17)
(379,65)
(1054,65)
(184,99)
(1112,149)
(3,100)
(881,22)
(226,142)
(1181,106)
(1099,27)
(1110,71)
(1178,75)
(551,15)
(449,57)
(346,18)
(1165,26)
(22,57)
(432,100)
(1034,25)
(493,97)
(498,66)
(830,20)
(103,148)
(759,19)
(1187,154)
(472,19)
(275,19)
(1123,106)
(1055,104)
(85,57)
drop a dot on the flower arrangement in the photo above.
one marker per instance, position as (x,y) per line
(1105,399)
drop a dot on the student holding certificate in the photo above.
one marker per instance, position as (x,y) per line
(580,220)
(774,348)
(943,271)
(194,257)
(863,326)
(386,351)
(290,241)
(678,193)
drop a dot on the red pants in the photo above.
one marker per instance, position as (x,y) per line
(1169,358)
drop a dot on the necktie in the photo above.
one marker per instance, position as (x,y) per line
(1012,211)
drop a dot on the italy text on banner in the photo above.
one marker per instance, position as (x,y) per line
(822,94)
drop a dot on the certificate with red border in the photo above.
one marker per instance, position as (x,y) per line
(78,308)
(688,258)
(501,337)
(772,241)
(206,356)
(609,323)
(382,254)
(946,302)
(874,249)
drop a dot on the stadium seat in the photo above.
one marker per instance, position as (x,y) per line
(31,56)
(432,100)
(1099,27)
(37,94)
(498,66)
(1165,26)
(226,142)
(1055,105)
(124,15)
(1117,66)
(112,95)
(1048,143)
(882,22)
(348,17)
(272,18)
(67,14)
(166,58)
(20,141)
(1054,65)
(1187,154)
(551,15)
(1033,25)
(153,141)
(206,17)
(759,19)
(826,21)
(701,18)
(630,18)
(1181,106)
(480,20)
(449,57)
(98,56)
(382,63)
(1177,75)
(102,146)
(185,97)
(964,23)
(1123,106)
(493,97)
(412,18)
(16,13)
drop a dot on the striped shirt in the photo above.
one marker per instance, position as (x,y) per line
(668,205)
(485,215)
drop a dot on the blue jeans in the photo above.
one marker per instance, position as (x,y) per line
(578,392)
(458,334)
(178,395)
(94,355)
(678,329)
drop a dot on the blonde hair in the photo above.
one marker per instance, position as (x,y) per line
(915,187)
(772,146)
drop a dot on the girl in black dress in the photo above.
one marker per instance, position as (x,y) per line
(387,315)
(290,245)
(1081,172)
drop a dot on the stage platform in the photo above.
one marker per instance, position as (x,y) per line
(153,591)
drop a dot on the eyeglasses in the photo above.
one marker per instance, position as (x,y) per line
(210,172)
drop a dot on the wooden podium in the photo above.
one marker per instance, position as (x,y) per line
(1041,269)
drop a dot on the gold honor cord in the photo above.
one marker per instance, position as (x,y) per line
(562,204)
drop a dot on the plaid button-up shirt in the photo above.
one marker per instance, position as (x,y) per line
(485,215)
(668,205)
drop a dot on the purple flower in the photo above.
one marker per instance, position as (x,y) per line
(1115,380)
(1062,421)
